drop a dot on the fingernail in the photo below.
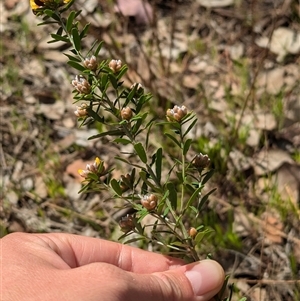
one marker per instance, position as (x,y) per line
(205,276)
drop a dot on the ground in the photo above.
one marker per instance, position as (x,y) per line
(234,63)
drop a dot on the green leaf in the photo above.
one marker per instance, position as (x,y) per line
(141,101)
(194,196)
(70,20)
(57,37)
(158,164)
(186,146)
(113,81)
(76,39)
(98,48)
(148,127)
(207,176)
(84,31)
(67,6)
(122,71)
(59,31)
(108,133)
(138,147)
(204,199)
(131,93)
(116,187)
(103,82)
(194,209)
(122,141)
(73,58)
(50,13)
(190,127)
(173,139)
(76,65)
(200,236)
(144,177)
(139,122)
(172,195)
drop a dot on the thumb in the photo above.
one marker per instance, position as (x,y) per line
(193,282)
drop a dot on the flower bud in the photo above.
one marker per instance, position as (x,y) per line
(192,232)
(91,168)
(126,113)
(201,161)
(94,167)
(115,65)
(177,113)
(149,201)
(139,86)
(91,63)
(81,84)
(126,223)
(124,182)
(81,111)
(83,173)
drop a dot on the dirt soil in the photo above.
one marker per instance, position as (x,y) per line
(235,63)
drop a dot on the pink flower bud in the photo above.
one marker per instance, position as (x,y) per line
(126,113)
(115,65)
(81,84)
(91,63)
(149,201)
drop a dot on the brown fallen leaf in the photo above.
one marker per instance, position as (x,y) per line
(72,169)
(271,225)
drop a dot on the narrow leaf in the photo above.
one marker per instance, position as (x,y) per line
(116,187)
(72,58)
(205,199)
(57,37)
(172,195)
(208,175)
(108,133)
(76,65)
(141,152)
(98,48)
(122,141)
(190,127)
(186,146)
(84,31)
(70,20)
(76,39)
(158,164)
(173,139)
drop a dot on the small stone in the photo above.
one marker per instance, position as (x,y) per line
(27,184)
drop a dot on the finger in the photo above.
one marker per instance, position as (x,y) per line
(78,251)
(194,282)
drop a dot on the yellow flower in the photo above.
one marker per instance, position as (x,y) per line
(36,4)
(90,168)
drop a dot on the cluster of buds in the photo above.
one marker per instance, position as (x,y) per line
(126,223)
(126,113)
(91,63)
(149,201)
(125,182)
(81,84)
(177,113)
(201,161)
(138,88)
(90,168)
(115,65)
(81,111)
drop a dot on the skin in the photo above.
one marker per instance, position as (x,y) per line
(66,267)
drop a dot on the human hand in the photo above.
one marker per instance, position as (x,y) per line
(63,267)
